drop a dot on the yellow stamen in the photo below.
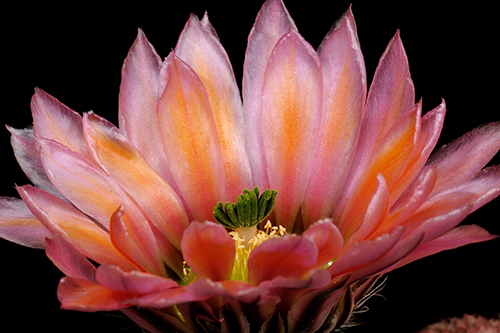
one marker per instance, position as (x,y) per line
(247,239)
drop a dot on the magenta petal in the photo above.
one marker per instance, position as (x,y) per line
(70,261)
(288,256)
(18,225)
(208,250)
(327,238)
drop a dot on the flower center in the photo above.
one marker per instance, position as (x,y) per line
(243,217)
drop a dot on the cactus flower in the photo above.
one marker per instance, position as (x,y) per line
(276,212)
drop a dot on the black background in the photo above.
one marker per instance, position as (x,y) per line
(75,53)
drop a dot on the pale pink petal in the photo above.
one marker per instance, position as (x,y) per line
(291,114)
(461,160)
(327,238)
(208,250)
(28,157)
(55,121)
(19,225)
(130,170)
(201,50)
(344,85)
(190,139)
(362,254)
(139,95)
(287,256)
(272,22)
(454,238)
(61,218)
(70,261)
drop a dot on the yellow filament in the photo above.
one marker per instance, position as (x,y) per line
(244,247)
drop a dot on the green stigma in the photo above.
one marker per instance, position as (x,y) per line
(248,211)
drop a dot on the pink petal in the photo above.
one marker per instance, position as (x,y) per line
(139,95)
(61,218)
(190,139)
(344,96)
(428,135)
(386,262)
(376,213)
(391,95)
(208,250)
(362,254)
(461,160)
(199,48)
(55,121)
(327,238)
(70,261)
(136,283)
(28,157)
(438,217)
(135,240)
(390,159)
(291,114)
(83,295)
(132,172)
(454,238)
(18,225)
(272,22)
(287,256)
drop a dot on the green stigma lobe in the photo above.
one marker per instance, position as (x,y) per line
(248,211)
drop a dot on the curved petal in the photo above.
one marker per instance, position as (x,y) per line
(136,283)
(390,96)
(361,254)
(191,140)
(291,114)
(202,51)
(19,225)
(456,237)
(77,229)
(84,295)
(272,22)
(208,250)
(327,238)
(344,81)
(461,160)
(55,121)
(287,256)
(131,171)
(70,261)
